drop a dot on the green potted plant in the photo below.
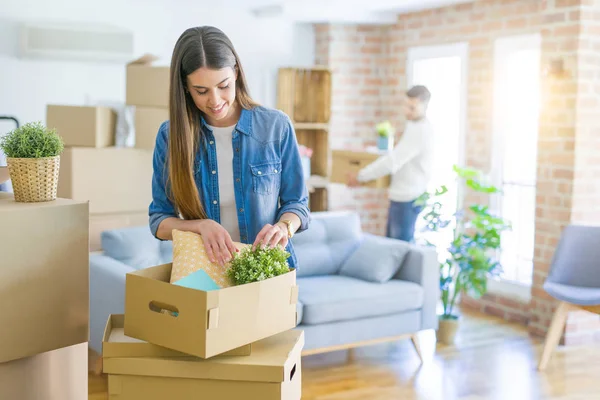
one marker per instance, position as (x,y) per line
(33,159)
(385,135)
(259,264)
(472,256)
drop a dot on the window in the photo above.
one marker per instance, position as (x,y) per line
(447,113)
(516,113)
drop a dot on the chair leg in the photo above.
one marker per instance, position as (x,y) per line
(554,333)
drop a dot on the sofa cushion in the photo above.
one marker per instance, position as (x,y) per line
(339,298)
(330,239)
(376,259)
(136,247)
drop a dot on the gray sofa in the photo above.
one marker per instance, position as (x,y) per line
(354,288)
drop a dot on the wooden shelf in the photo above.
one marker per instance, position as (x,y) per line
(311,126)
(304,94)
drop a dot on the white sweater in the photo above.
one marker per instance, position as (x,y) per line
(229,219)
(410,163)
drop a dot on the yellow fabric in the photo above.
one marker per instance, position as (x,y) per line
(189,255)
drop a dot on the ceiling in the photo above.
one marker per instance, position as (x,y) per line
(338,11)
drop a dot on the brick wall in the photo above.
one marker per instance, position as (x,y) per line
(369,65)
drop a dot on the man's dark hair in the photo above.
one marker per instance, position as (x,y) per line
(420,92)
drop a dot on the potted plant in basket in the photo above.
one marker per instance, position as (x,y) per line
(385,135)
(472,256)
(33,160)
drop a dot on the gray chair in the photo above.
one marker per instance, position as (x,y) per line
(574,279)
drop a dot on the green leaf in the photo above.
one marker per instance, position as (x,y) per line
(258,264)
(32,140)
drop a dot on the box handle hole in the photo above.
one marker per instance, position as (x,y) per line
(293,372)
(354,162)
(163,308)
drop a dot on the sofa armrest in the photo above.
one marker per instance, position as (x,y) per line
(107,294)
(421,266)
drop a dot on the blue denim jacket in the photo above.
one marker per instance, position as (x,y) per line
(268,175)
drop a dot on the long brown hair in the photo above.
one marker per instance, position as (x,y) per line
(198,47)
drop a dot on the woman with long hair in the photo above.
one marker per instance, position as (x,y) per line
(224,166)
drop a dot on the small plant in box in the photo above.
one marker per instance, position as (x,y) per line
(33,160)
(385,135)
(257,265)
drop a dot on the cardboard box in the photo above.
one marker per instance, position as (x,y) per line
(272,371)
(105,222)
(83,126)
(44,276)
(4,174)
(55,375)
(344,161)
(147,84)
(114,180)
(147,123)
(116,344)
(207,323)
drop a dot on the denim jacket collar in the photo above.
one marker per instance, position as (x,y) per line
(243,125)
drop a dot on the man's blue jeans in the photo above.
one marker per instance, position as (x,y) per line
(402,217)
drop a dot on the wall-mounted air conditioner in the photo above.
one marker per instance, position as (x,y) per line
(75,41)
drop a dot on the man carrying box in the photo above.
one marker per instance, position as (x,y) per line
(409,163)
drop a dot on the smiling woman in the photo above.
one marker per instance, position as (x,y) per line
(224,166)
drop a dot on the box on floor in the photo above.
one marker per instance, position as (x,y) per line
(54,375)
(272,371)
(114,180)
(207,323)
(83,126)
(44,274)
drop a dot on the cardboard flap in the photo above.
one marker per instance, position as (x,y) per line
(213,318)
(146,59)
(294,295)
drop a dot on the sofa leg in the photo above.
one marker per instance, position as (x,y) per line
(417,344)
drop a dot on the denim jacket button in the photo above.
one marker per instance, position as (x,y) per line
(260,173)
(211,142)
(275,171)
(214,202)
(241,210)
(214,172)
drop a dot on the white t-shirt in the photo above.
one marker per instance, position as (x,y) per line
(410,163)
(229,219)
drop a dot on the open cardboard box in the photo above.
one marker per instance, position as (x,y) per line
(272,371)
(116,344)
(206,323)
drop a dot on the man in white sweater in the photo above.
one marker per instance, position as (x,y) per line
(410,164)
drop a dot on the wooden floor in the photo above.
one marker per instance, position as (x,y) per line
(490,360)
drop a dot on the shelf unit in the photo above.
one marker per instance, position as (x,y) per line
(304,94)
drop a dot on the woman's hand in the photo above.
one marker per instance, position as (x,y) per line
(217,241)
(271,236)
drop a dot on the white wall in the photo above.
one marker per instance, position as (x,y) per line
(26,86)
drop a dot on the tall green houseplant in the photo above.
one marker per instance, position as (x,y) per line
(472,255)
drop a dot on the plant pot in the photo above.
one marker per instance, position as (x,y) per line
(447,330)
(384,142)
(34,179)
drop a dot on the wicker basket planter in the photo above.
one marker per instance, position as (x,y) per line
(34,179)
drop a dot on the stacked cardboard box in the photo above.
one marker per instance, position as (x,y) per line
(115,180)
(44,273)
(148,91)
(233,343)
